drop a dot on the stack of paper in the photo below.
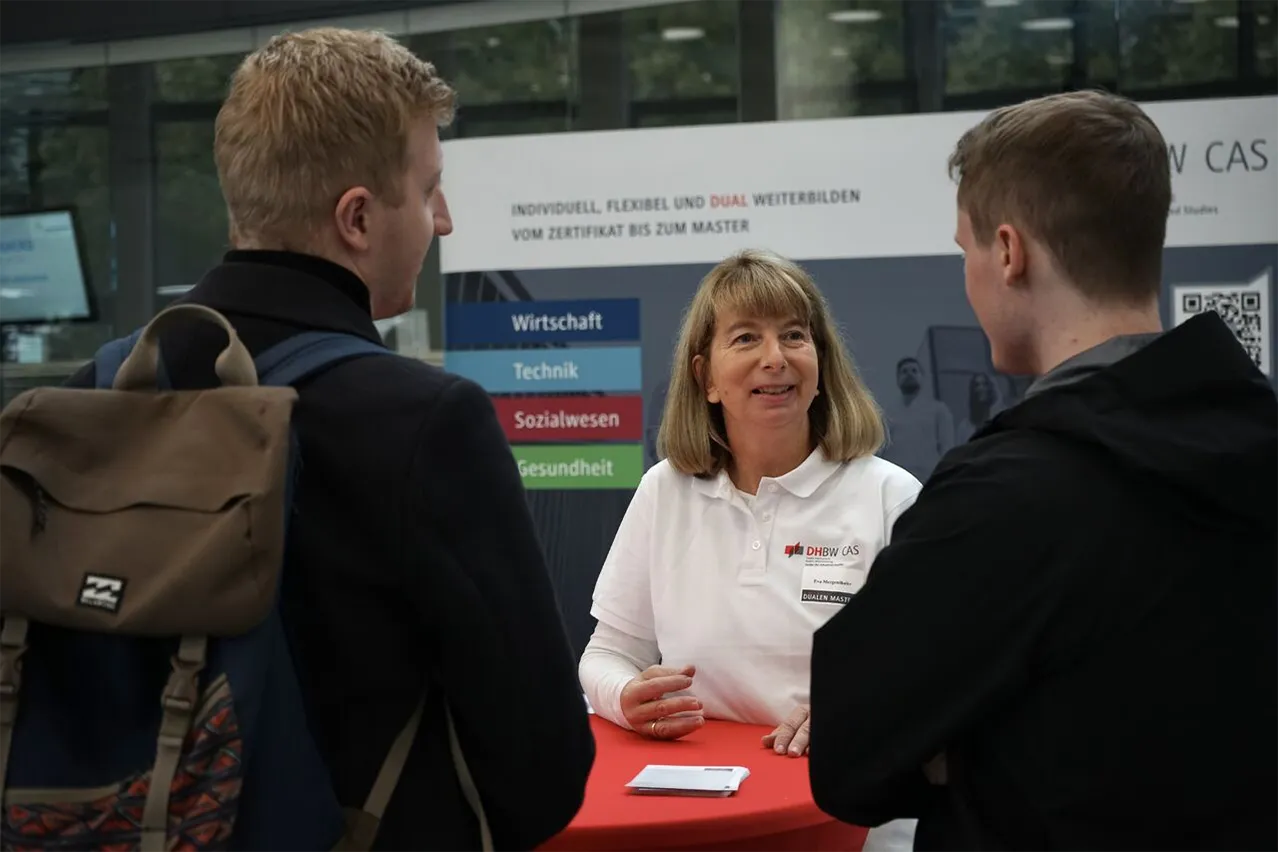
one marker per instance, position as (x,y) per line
(657,780)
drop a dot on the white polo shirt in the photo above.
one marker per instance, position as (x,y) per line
(737,584)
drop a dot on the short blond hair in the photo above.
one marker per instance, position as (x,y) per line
(312,114)
(846,420)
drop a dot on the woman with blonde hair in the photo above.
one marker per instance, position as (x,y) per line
(761,521)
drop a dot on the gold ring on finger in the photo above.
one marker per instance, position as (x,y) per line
(652,728)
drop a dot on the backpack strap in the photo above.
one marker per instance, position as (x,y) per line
(303,355)
(13,644)
(107,361)
(362,824)
(469,790)
(286,363)
(291,362)
(178,700)
(388,777)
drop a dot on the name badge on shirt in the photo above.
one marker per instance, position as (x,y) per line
(831,573)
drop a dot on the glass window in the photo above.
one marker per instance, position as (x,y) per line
(1173,48)
(1266,43)
(699,114)
(198,79)
(64,90)
(190,220)
(1007,45)
(1174,44)
(511,78)
(190,216)
(684,50)
(836,58)
(55,150)
(67,166)
(683,62)
(15,173)
(676,63)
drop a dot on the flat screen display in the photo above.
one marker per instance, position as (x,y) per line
(41,271)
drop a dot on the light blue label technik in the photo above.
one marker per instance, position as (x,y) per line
(550,370)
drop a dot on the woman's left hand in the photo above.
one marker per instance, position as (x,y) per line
(791,736)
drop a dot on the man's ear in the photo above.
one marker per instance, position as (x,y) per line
(1009,246)
(699,369)
(351,216)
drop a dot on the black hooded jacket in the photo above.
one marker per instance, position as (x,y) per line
(1079,614)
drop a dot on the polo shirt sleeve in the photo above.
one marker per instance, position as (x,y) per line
(623,592)
(611,660)
(900,490)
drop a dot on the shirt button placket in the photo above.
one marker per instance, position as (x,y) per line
(763,531)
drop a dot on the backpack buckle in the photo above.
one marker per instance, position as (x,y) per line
(182,689)
(13,644)
(10,679)
(180,697)
(178,701)
(8,702)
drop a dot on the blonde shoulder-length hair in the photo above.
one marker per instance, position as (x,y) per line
(846,422)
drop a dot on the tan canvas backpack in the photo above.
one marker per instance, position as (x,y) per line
(147,693)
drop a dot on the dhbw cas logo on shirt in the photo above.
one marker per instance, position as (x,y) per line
(831,573)
(822,553)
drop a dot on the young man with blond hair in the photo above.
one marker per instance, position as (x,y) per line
(414,565)
(1071,641)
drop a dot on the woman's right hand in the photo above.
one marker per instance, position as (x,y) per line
(651,713)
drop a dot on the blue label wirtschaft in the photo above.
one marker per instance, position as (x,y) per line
(505,323)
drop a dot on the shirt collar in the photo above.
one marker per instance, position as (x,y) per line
(1090,361)
(802,482)
(298,290)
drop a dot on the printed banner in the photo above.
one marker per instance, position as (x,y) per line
(835,188)
(575,256)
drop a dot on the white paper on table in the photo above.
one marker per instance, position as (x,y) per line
(658,779)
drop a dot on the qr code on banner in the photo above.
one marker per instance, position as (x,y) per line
(1244,307)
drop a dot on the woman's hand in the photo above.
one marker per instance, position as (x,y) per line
(791,736)
(651,713)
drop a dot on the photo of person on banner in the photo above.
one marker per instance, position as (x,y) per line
(920,426)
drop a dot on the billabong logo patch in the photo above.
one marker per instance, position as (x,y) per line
(102,591)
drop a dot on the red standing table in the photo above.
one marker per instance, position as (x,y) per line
(773,810)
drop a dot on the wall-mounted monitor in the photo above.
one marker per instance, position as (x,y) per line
(42,275)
